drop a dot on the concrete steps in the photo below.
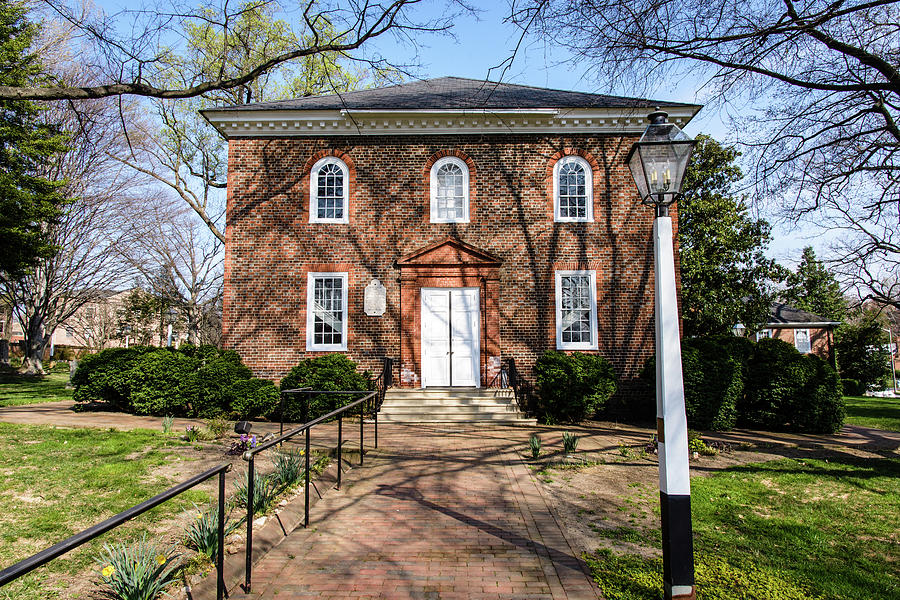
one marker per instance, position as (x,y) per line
(452,405)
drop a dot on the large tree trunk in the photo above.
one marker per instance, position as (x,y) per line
(35,344)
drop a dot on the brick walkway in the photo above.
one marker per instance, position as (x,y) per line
(434,513)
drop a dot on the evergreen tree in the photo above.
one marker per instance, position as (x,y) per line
(813,288)
(28,199)
(725,276)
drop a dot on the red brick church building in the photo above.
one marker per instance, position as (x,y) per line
(449,224)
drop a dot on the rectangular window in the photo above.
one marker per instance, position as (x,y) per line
(576,310)
(801,340)
(326,311)
(764,333)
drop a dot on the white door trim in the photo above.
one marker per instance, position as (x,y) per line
(472,327)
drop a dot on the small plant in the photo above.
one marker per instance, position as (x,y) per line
(288,467)
(202,534)
(570,442)
(167,423)
(218,427)
(192,433)
(625,451)
(652,446)
(264,492)
(696,444)
(241,445)
(535,443)
(136,572)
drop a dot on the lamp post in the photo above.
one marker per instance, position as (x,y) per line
(658,162)
(170,319)
(891,352)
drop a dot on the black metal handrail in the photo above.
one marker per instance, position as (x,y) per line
(31,563)
(367,402)
(384,380)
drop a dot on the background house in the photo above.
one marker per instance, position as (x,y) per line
(104,322)
(808,332)
(450,224)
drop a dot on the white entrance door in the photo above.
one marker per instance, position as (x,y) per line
(450,334)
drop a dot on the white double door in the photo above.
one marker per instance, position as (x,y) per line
(450,335)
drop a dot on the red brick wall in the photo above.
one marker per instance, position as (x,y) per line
(272,245)
(821,341)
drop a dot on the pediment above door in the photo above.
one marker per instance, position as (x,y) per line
(449,252)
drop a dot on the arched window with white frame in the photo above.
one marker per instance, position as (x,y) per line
(573,190)
(329,191)
(449,191)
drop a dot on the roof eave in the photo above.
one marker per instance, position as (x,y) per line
(361,122)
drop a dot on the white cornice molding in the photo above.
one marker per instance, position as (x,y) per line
(318,123)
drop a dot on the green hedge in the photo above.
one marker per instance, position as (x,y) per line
(790,391)
(731,380)
(188,382)
(713,384)
(572,387)
(852,387)
(332,372)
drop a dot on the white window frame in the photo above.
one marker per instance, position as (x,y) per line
(588,190)
(808,341)
(763,334)
(314,190)
(310,315)
(433,187)
(592,345)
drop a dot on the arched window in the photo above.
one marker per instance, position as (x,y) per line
(573,190)
(329,192)
(450,191)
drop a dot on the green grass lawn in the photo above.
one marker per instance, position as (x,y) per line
(787,529)
(880,413)
(18,389)
(56,482)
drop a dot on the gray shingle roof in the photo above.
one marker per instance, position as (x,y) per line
(781,313)
(455,93)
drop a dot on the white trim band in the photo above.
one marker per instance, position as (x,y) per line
(318,123)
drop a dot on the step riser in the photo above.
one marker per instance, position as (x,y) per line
(447,402)
(452,405)
(460,419)
(451,410)
(448,393)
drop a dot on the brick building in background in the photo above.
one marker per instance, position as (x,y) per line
(807,332)
(449,224)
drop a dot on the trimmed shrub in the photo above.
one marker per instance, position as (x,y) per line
(572,387)
(790,391)
(216,379)
(163,382)
(192,381)
(331,372)
(714,369)
(713,383)
(852,387)
(254,398)
(100,377)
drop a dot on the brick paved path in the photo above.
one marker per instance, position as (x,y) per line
(432,514)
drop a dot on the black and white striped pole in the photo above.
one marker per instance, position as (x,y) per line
(658,162)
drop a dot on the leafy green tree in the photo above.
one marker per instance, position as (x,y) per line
(813,288)
(28,198)
(725,276)
(861,347)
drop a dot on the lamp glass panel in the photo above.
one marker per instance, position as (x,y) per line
(637,171)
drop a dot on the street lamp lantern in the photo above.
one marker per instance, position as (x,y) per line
(658,162)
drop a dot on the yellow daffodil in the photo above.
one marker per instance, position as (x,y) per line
(108,571)
(161,559)
(199,516)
